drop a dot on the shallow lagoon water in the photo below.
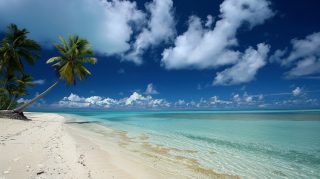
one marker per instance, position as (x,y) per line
(250,144)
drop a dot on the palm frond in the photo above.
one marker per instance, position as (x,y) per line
(91,60)
(30,58)
(66,73)
(81,71)
(53,59)
(63,41)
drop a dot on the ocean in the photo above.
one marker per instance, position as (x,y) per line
(249,144)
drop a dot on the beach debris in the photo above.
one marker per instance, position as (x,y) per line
(40,172)
(81,156)
(81,160)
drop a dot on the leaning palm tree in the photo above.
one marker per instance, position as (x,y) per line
(69,65)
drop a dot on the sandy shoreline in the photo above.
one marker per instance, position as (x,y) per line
(48,147)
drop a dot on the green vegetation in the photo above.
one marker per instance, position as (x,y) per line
(16,50)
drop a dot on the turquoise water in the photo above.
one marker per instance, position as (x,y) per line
(250,144)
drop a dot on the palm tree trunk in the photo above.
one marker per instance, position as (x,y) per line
(26,105)
(11,102)
(2,106)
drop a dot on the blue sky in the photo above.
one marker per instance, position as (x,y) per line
(170,54)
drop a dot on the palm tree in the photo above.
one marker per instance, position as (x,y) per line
(19,88)
(14,48)
(69,65)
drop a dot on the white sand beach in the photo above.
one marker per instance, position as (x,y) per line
(48,147)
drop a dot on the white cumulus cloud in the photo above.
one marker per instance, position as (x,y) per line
(246,99)
(160,28)
(245,70)
(135,100)
(73,98)
(297,91)
(114,27)
(151,89)
(201,47)
(215,100)
(134,97)
(304,57)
